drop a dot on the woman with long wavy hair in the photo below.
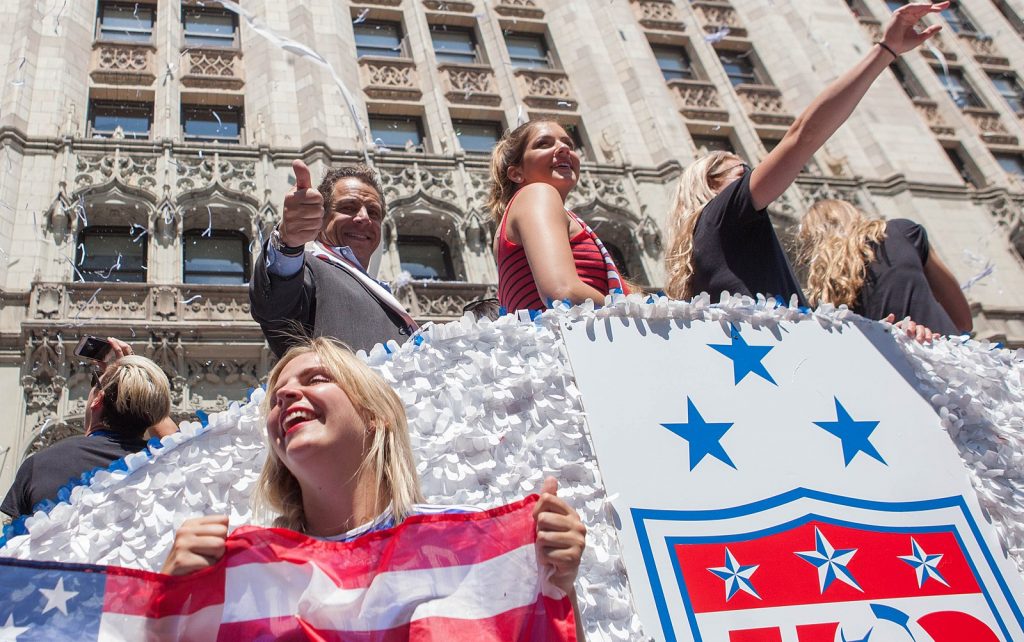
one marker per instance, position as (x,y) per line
(721,237)
(544,251)
(878,268)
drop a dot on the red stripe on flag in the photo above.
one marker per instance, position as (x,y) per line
(772,634)
(547,620)
(825,632)
(154,595)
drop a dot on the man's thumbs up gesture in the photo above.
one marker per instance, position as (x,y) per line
(303,209)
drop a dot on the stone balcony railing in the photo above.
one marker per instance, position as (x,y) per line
(871,27)
(389,78)
(519,9)
(989,126)
(469,84)
(763,104)
(983,49)
(929,110)
(716,16)
(659,15)
(699,100)
(212,68)
(441,300)
(122,64)
(545,88)
(448,6)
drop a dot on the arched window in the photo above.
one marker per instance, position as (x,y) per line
(215,256)
(619,258)
(110,253)
(425,257)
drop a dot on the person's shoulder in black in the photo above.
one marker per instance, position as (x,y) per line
(733,207)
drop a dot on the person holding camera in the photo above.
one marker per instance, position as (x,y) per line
(129,395)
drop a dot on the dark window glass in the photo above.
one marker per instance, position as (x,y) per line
(110,254)
(713,144)
(576,134)
(738,67)
(134,119)
(1009,88)
(379,39)
(1011,163)
(960,165)
(454,44)
(619,258)
(959,89)
(220,257)
(477,136)
(673,62)
(903,76)
(529,50)
(131,22)
(426,257)
(208,27)
(397,133)
(958,20)
(220,124)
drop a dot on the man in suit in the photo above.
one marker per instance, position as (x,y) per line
(324,290)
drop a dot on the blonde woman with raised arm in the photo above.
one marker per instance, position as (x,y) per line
(721,237)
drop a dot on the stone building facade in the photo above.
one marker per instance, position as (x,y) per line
(147,149)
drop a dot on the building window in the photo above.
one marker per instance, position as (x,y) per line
(708,144)
(425,257)
(379,39)
(738,67)
(133,120)
(209,27)
(1010,15)
(961,167)
(477,136)
(528,50)
(219,256)
(958,20)
(110,254)
(673,62)
(397,132)
(576,133)
(959,89)
(1008,86)
(130,22)
(454,44)
(1012,164)
(905,79)
(214,124)
(619,259)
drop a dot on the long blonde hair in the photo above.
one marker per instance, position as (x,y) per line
(699,184)
(508,152)
(390,453)
(835,242)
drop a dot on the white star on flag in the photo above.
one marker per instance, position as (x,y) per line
(736,576)
(9,632)
(57,597)
(830,562)
(925,565)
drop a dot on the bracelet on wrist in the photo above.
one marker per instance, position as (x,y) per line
(888,48)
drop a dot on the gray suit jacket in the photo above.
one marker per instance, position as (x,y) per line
(321,299)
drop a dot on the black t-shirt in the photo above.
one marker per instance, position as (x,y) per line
(44,473)
(735,248)
(895,282)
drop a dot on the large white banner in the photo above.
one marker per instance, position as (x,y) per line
(786,485)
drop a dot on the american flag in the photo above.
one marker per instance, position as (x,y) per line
(466,576)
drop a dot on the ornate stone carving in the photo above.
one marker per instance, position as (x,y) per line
(608,190)
(519,9)
(872,27)
(812,192)
(400,183)
(58,217)
(469,84)
(1008,214)
(217,305)
(213,69)
(660,15)
(129,169)
(547,88)
(478,192)
(452,6)
(49,432)
(235,174)
(714,16)
(929,110)
(122,64)
(984,49)
(437,300)
(43,378)
(215,383)
(764,105)
(166,351)
(699,100)
(389,78)
(988,124)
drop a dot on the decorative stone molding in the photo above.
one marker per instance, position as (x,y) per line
(133,170)
(469,84)
(657,15)
(609,190)
(450,6)
(1009,215)
(408,181)
(983,49)
(122,64)
(441,300)
(519,9)
(545,88)
(871,27)
(44,375)
(714,16)
(699,100)
(764,105)
(929,110)
(389,78)
(381,3)
(213,68)
(199,171)
(989,126)
(943,46)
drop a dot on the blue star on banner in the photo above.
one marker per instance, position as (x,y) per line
(831,563)
(853,434)
(746,359)
(704,438)
(736,576)
(925,565)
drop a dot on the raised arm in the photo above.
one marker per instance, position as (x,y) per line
(833,106)
(537,220)
(948,293)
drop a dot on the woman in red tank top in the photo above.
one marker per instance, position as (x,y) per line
(545,252)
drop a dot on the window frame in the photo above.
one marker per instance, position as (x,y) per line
(457,123)
(82,269)
(1016,157)
(973,100)
(1015,97)
(141,107)
(958,20)
(234,40)
(546,61)
(100,36)
(684,56)
(755,76)
(458,58)
(380,51)
(218,234)
(446,254)
(186,108)
(378,118)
